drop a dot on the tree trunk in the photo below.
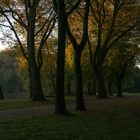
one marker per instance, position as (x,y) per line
(1,93)
(89,89)
(99,56)
(94,88)
(37,92)
(120,76)
(100,81)
(60,107)
(69,87)
(119,87)
(53,85)
(36,88)
(30,83)
(80,105)
(110,88)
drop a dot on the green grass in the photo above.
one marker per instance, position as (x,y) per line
(22,103)
(116,122)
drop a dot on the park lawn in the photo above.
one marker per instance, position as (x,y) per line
(116,122)
(22,103)
(25,103)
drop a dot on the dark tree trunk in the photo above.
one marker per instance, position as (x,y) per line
(69,87)
(91,87)
(94,89)
(30,84)
(120,76)
(36,88)
(60,107)
(37,93)
(53,85)
(90,92)
(119,87)
(78,49)
(110,88)
(100,81)
(99,56)
(1,93)
(80,105)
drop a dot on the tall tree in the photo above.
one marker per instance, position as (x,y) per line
(78,49)
(108,20)
(60,107)
(63,13)
(26,18)
(120,60)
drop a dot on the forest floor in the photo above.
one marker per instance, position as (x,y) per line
(105,119)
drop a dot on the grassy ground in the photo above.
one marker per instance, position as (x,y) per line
(117,121)
(21,103)
(25,103)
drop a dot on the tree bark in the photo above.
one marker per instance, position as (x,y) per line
(30,84)
(100,81)
(69,93)
(90,92)
(110,88)
(53,85)
(36,88)
(80,105)
(120,76)
(1,93)
(78,49)
(92,87)
(60,107)
(119,87)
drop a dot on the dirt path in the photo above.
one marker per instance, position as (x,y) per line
(91,104)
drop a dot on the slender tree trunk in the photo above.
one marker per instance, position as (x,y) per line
(53,85)
(78,49)
(100,81)
(60,107)
(80,105)
(31,84)
(119,87)
(120,76)
(69,87)
(1,93)
(89,88)
(110,88)
(94,88)
(98,65)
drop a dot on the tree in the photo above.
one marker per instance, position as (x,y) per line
(132,82)
(60,107)
(107,17)
(9,65)
(121,59)
(29,18)
(60,9)
(78,49)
